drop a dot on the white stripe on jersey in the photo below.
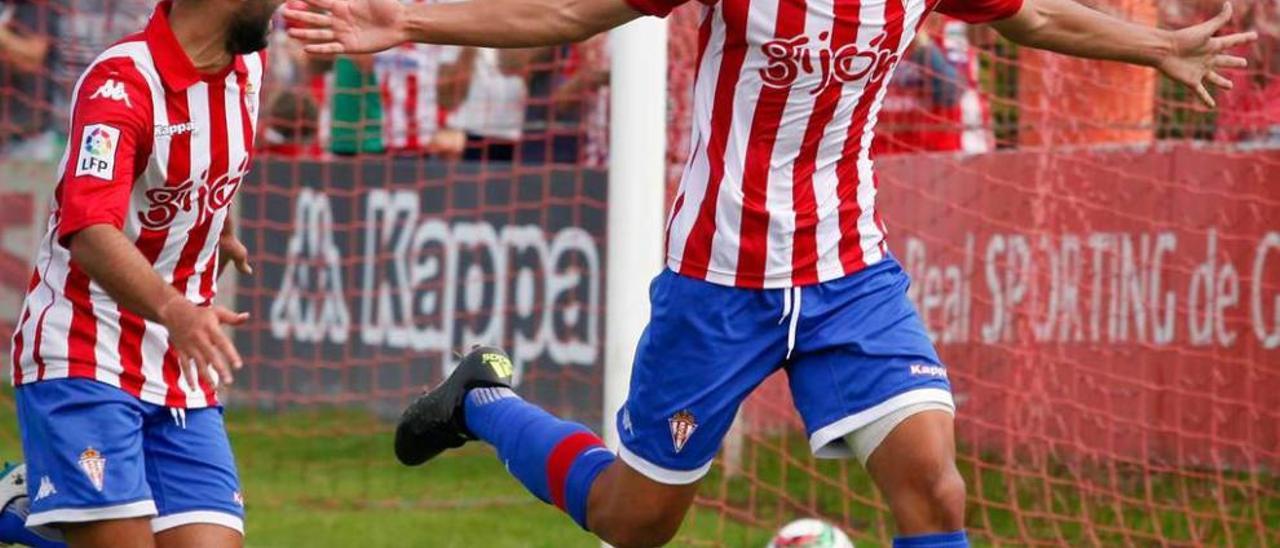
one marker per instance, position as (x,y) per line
(871,236)
(802,60)
(697,168)
(50,312)
(727,239)
(831,151)
(55,310)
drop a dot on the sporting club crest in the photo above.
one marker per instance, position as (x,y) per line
(94,466)
(682,426)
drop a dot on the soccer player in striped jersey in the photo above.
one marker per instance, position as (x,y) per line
(119,348)
(776,253)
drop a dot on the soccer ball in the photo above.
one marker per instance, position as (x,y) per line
(810,533)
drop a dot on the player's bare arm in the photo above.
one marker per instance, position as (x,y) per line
(1192,56)
(115,263)
(365,26)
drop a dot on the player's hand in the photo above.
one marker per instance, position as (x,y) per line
(204,350)
(232,251)
(347,26)
(1197,55)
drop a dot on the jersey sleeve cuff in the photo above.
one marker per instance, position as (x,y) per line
(656,8)
(1005,10)
(68,229)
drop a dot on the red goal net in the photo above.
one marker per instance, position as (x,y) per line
(1097,258)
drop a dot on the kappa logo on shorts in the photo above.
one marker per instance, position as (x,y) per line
(682,426)
(46,489)
(922,370)
(626,420)
(500,364)
(238,499)
(94,466)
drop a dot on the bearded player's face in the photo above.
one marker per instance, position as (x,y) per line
(250,26)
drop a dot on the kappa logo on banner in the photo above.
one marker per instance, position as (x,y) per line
(98,152)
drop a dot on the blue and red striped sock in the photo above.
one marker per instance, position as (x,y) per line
(13,527)
(556,460)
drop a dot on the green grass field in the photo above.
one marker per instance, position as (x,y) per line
(325,478)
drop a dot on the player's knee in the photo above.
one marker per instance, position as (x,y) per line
(642,527)
(945,492)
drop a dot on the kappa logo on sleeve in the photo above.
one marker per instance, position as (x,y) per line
(98,152)
(112,90)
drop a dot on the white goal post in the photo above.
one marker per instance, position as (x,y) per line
(637,196)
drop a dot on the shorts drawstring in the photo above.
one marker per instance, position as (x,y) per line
(179,417)
(791,309)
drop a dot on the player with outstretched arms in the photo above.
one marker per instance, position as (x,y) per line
(119,349)
(776,253)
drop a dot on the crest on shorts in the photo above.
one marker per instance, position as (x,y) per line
(94,466)
(682,426)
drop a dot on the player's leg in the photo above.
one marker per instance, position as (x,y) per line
(565,464)
(914,466)
(15,505)
(193,476)
(82,441)
(199,535)
(705,348)
(117,533)
(869,385)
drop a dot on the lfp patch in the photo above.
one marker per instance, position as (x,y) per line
(98,151)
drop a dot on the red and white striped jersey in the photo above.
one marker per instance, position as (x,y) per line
(779,189)
(410,114)
(158,150)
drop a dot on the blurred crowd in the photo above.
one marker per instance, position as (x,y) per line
(548,105)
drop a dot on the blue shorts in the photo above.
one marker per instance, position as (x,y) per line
(854,350)
(94,453)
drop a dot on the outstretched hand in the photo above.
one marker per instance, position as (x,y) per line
(334,27)
(1198,54)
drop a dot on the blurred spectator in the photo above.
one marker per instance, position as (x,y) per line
(355,107)
(975,113)
(921,111)
(563,83)
(292,120)
(484,101)
(409,77)
(26,122)
(1250,113)
(86,28)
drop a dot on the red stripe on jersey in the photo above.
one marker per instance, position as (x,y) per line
(16,358)
(174,397)
(697,252)
(16,362)
(849,177)
(82,361)
(198,235)
(754,233)
(36,342)
(804,258)
(411,112)
(151,243)
(704,38)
